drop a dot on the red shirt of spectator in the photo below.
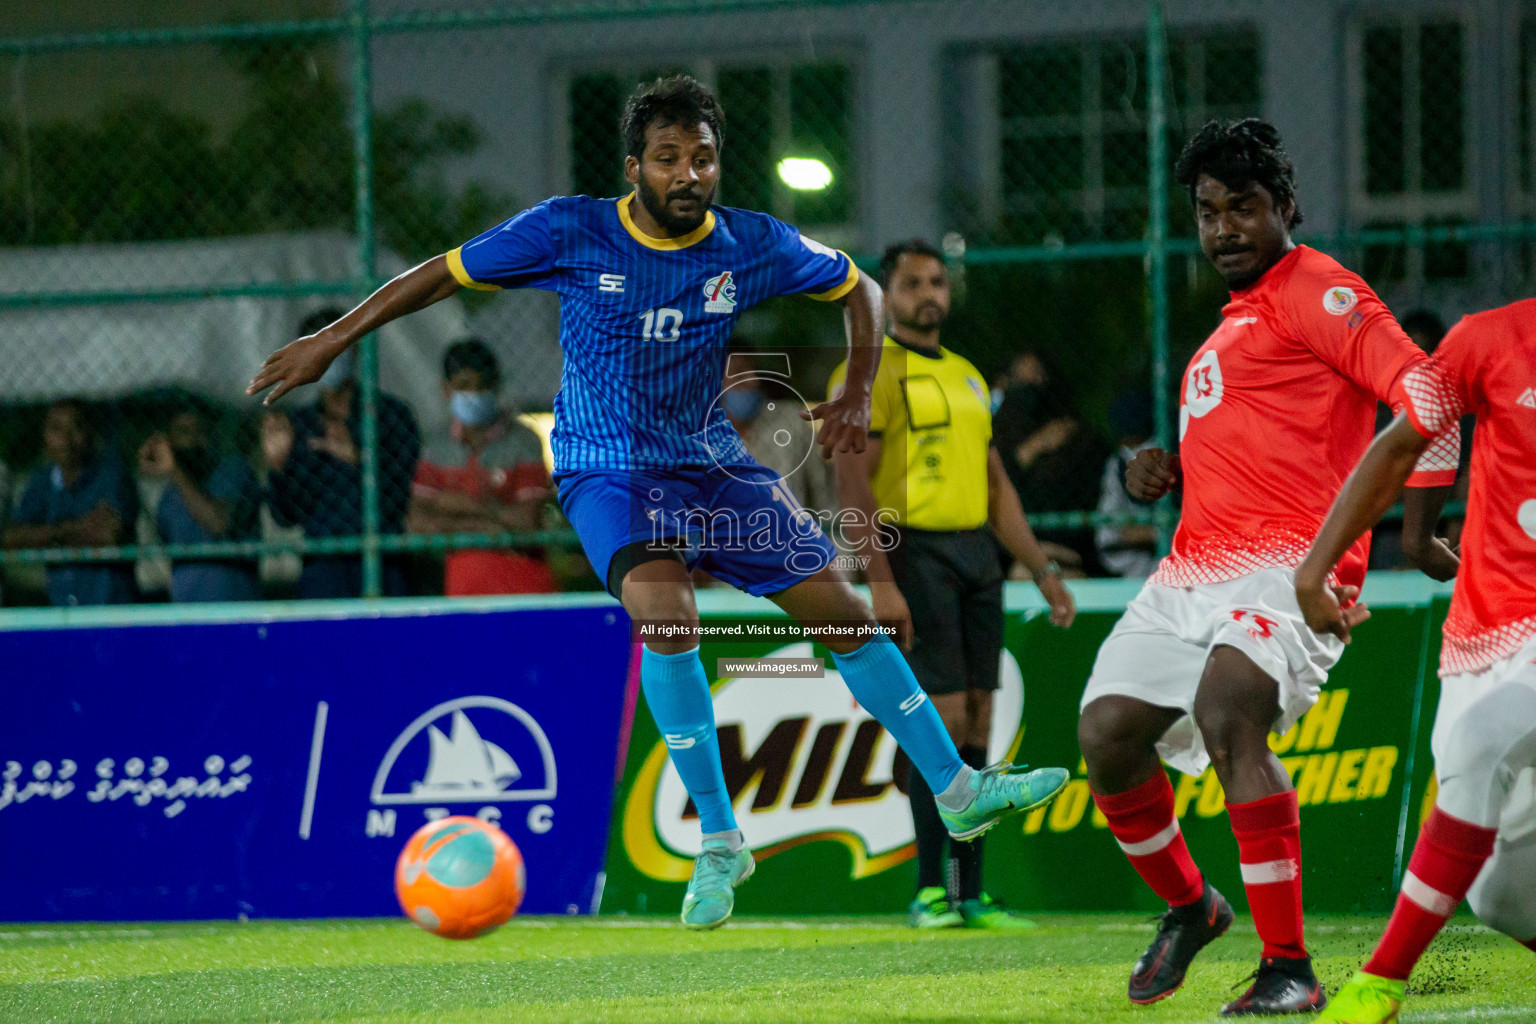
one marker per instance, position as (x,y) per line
(506,468)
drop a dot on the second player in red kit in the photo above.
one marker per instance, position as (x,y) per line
(1479,841)
(1213,654)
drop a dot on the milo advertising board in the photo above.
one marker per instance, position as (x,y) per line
(821,798)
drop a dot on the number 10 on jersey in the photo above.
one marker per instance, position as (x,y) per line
(662,324)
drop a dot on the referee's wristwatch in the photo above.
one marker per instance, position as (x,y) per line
(1051,568)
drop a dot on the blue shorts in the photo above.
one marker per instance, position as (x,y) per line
(739,523)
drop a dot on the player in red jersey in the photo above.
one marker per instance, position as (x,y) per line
(1213,654)
(1480,840)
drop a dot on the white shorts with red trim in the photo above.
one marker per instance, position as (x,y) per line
(1157,652)
(1484,742)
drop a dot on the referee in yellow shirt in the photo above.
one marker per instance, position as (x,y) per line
(931,470)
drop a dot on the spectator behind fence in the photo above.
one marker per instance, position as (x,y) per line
(315,475)
(205,499)
(79,497)
(1128,550)
(486,476)
(1051,456)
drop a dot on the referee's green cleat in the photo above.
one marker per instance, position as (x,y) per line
(931,909)
(986,912)
(1367,999)
(998,790)
(716,873)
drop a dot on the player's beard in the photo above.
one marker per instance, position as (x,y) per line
(1239,279)
(930,316)
(656,205)
(1242,280)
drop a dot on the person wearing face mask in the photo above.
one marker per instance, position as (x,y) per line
(206,498)
(315,480)
(1045,448)
(486,476)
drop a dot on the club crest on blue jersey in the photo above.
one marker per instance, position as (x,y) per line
(720,294)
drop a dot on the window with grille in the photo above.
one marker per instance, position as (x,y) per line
(1072,128)
(1410,151)
(774,111)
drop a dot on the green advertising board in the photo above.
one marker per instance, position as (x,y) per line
(817,791)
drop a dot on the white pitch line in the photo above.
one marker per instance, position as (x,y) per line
(1473,1013)
(76,933)
(312,783)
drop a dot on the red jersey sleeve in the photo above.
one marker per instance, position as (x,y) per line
(1438,465)
(1438,393)
(1336,315)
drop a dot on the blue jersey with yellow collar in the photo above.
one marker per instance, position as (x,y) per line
(644,321)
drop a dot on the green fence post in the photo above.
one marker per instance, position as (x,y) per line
(368,359)
(1157,243)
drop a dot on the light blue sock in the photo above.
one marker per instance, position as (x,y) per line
(881,680)
(677,693)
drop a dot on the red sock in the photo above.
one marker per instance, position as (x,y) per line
(1268,835)
(1143,823)
(1445,862)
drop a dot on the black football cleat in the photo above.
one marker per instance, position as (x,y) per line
(1281,985)
(1183,932)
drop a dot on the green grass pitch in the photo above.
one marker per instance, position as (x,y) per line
(1072,969)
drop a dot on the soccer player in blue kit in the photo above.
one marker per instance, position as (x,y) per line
(650,288)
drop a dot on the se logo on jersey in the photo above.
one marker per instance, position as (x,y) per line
(720,294)
(1339,300)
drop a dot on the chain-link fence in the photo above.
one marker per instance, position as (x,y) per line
(176,202)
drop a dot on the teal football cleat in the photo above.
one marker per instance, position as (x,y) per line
(931,909)
(998,790)
(986,912)
(716,873)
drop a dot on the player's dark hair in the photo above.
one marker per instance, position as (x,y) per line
(319,320)
(896,250)
(472,354)
(679,99)
(1237,153)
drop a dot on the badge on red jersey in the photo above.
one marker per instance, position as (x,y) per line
(1339,300)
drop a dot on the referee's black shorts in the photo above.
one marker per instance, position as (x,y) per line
(953,584)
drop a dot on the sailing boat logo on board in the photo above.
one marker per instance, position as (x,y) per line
(478,750)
